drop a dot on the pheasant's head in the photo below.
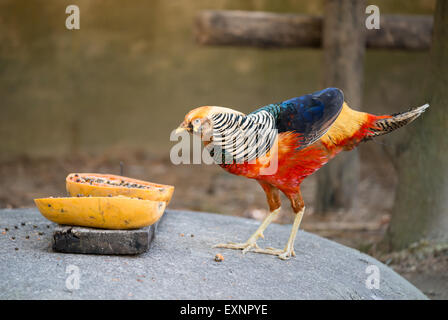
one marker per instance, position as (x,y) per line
(200,120)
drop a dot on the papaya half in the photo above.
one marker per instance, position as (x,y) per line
(108,185)
(117,212)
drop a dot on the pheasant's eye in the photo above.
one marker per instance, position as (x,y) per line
(196,122)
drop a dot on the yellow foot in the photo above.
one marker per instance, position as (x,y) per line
(246,246)
(282,254)
(287,254)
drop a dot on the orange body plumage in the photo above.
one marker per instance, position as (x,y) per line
(349,129)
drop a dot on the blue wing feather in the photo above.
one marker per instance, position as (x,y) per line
(310,115)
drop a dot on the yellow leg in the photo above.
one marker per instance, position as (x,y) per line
(252,241)
(288,251)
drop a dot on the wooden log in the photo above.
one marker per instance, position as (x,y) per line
(273,30)
(259,29)
(409,32)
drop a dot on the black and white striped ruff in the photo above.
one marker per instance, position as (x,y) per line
(241,138)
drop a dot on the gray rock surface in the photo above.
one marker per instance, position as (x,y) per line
(70,239)
(181,265)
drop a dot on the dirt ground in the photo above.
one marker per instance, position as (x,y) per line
(209,188)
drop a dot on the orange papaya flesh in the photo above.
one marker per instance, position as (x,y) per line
(102,212)
(107,185)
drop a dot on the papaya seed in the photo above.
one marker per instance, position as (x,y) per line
(219,257)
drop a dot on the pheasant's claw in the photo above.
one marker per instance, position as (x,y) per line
(282,254)
(287,255)
(270,250)
(247,246)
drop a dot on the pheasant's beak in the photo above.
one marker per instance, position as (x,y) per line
(183,127)
(180,130)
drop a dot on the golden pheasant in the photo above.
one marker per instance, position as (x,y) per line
(281,144)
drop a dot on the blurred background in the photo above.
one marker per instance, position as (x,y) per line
(84,100)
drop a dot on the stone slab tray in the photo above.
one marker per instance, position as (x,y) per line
(73,239)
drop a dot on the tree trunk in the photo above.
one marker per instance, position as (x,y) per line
(344,48)
(421,205)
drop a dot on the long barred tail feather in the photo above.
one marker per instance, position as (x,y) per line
(387,124)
